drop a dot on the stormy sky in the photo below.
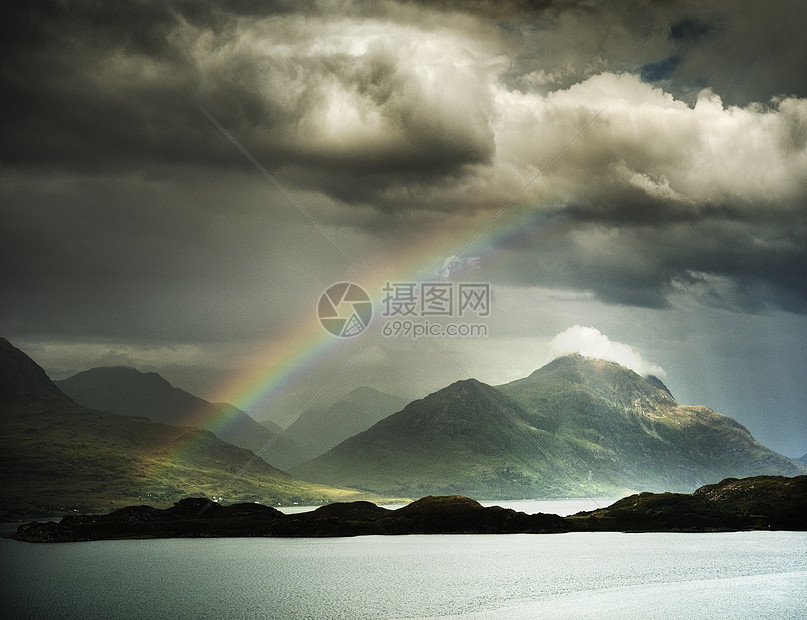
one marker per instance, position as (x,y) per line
(180,181)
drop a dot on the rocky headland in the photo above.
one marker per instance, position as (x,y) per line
(756,503)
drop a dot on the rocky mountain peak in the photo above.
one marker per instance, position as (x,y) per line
(609,380)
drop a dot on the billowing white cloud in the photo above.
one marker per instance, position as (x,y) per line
(379,93)
(591,342)
(674,157)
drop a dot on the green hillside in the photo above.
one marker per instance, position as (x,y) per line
(626,428)
(127,391)
(576,427)
(460,439)
(57,456)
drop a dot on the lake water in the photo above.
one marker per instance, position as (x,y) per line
(577,575)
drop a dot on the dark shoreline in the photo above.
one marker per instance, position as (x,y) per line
(757,503)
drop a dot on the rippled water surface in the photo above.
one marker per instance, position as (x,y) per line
(581,575)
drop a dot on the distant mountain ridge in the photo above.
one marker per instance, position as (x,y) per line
(57,456)
(577,426)
(318,430)
(407,450)
(126,391)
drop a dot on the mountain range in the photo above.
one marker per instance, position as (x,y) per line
(57,456)
(318,430)
(126,391)
(575,427)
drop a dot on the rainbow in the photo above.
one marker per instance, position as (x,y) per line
(281,363)
(308,344)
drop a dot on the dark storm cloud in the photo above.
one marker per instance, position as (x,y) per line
(746,51)
(133,231)
(661,70)
(491,9)
(101,87)
(89,86)
(721,263)
(139,259)
(392,119)
(375,96)
(689,29)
